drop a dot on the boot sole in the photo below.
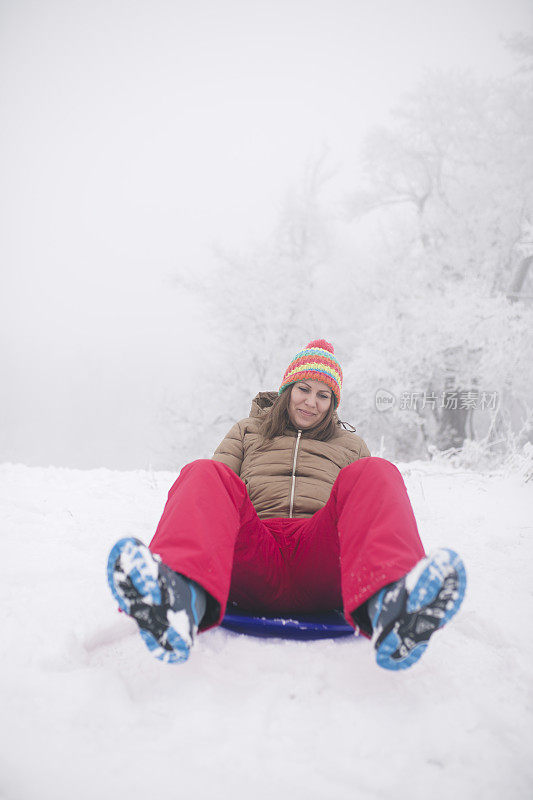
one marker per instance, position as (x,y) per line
(434,599)
(138,563)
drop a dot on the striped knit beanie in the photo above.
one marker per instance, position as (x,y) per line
(317,363)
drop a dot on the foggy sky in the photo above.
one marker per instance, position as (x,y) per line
(134,136)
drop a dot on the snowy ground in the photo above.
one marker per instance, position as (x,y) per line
(250,718)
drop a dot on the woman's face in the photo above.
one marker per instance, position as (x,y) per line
(309,403)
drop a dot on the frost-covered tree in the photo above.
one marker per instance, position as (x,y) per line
(422,285)
(261,304)
(451,181)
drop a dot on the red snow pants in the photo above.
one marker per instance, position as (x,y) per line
(364,538)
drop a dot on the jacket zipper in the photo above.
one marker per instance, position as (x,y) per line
(294,472)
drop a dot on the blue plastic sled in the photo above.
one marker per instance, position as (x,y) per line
(322,625)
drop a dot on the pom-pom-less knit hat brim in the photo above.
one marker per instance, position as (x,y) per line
(317,362)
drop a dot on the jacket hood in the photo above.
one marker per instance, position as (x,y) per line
(263,402)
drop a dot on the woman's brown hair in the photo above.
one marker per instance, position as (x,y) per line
(277,420)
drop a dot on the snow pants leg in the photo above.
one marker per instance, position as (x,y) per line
(362,539)
(207,510)
(370,512)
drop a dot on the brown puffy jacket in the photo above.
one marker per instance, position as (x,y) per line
(290,475)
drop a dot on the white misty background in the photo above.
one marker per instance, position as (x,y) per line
(191,192)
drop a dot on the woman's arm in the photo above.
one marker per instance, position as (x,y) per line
(357,446)
(231,449)
(364,452)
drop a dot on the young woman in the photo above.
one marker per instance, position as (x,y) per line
(291,514)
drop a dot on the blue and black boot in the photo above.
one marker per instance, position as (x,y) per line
(166,606)
(406,613)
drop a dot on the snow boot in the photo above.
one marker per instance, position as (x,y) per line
(406,613)
(166,606)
